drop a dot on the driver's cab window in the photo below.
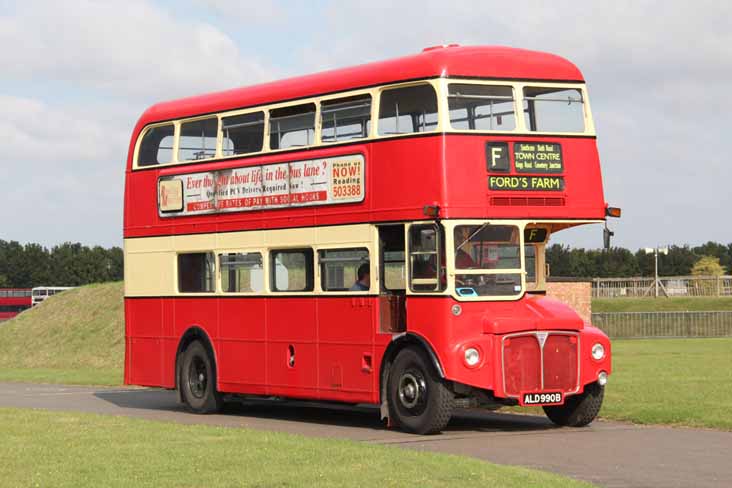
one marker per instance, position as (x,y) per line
(487,247)
(487,260)
(534,245)
(426,258)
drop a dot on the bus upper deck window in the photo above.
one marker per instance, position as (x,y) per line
(156,146)
(554,109)
(197,139)
(345,118)
(407,110)
(292,126)
(242,133)
(481,107)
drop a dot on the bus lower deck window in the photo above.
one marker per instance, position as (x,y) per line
(241,272)
(339,268)
(292,270)
(196,272)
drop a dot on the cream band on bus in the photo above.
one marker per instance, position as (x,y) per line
(468,259)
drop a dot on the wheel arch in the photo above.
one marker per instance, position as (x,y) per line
(192,334)
(396,345)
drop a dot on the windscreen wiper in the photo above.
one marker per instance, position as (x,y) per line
(472,235)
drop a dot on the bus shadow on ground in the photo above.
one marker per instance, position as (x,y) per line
(142,399)
(326,414)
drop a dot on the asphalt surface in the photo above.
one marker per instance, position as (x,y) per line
(610,454)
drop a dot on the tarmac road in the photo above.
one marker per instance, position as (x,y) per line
(611,454)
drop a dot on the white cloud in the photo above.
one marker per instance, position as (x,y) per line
(92,68)
(63,168)
(247,12)
(132,49)
(30,128)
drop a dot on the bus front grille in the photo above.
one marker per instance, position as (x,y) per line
(540,361)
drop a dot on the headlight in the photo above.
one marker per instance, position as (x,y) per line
(602,378)
(472,356)
(598,351)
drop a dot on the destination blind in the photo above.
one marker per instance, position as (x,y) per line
(538,157)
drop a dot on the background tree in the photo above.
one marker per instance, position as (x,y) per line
(68,264)
(565,261)
(720,251)
(707,266)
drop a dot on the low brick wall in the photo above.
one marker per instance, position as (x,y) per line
(577,295)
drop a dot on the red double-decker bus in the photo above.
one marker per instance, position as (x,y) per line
(13,301)
(373,234)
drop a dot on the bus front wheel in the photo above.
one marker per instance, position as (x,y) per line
(419,401)
(578,410)
(198,380)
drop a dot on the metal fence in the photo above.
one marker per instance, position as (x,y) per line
(671,286)
(620,325)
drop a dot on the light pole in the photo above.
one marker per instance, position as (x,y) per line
(655,251)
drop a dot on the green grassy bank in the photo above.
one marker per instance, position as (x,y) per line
(74,337)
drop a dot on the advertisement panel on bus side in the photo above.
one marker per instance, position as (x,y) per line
(293,184)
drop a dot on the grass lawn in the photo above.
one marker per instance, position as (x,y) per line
(661,304)
(42,448)
(68,376)
(671,381)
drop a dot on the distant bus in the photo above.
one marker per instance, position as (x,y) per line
(40,293)
(374,234)
(13,301)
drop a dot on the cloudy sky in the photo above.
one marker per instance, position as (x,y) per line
(76,76)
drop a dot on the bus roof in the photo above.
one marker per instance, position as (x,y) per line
(493,62)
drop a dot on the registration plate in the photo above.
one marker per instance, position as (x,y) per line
(541,398)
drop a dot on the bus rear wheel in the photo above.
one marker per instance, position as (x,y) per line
(198,380)
(578,410)
(419,401)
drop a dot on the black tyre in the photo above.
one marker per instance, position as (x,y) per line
(419,401)
(578,410)
(198,380)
